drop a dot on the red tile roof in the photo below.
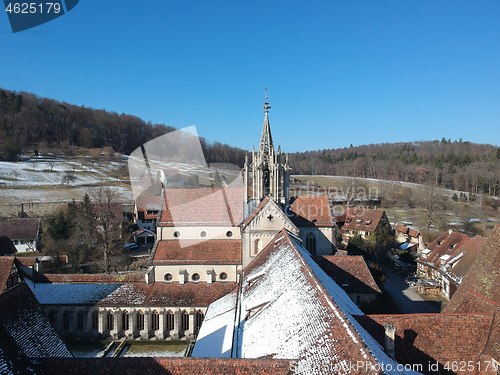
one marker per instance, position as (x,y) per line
(145,204)
(20,229)
(223,206)
(5,267)
(405,230)
(453,253)
(161,294)
(166,366)
(311,211)
(349,272)
(362,219)
(194,252)
(427,338)
(483,276)
(290,306)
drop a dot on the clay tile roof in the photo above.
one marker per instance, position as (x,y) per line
(349,272)
(363,219)
(5,267)
(453,253)
(222,206)
(162,294)
(427,338)
(311,211)
(405,230)
(145,204)
(20,229)
(167,366)
(194,252)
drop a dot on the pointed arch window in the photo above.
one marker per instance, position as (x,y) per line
(311,243)
(155,321)
(125,320)
(140,320)
(198,319)
(170,321)
(184,320)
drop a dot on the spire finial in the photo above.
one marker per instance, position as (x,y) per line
(266,107)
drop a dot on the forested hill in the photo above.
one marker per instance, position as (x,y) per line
(29,122)
(451,164)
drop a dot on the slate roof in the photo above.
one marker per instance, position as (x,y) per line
(194,252)
(167,366)
(311,211)
(453,253)
(145,204)
(22,318)
(20,229)
(427,338)
(360,219)
(350,272)
(162,294)
(216,207)
(289,308)
(87,278)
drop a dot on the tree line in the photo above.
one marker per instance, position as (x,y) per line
(456,165)
(29,122)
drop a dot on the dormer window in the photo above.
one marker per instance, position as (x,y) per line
(359,221)
(368,222)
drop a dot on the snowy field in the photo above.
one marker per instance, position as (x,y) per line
(42,181)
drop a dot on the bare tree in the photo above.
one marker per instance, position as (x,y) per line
(108,219)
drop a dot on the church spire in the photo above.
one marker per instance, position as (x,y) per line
(266,140)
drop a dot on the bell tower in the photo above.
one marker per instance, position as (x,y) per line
(269,170)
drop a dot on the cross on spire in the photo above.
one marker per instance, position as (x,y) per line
(266,107)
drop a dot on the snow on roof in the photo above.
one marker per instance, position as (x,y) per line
(215,338)
(295,311)
(426,251)
(71,294)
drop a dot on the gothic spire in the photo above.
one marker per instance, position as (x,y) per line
(266,140)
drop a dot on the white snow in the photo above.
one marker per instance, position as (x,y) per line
(71,294)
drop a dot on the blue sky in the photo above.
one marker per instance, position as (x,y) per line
(338,72)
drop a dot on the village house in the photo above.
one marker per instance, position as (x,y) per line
(353,275)
(24,233)
(146,211)
(448,258)
(409,239)
(362,221)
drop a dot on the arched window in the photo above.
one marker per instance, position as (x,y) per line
(184,320)
(311,243)
(125,320)
(256,247)
(66,320)
(80,320)
(110,321)
(95,320)
(170,321)
(139,320)
(198,319)
(155,321)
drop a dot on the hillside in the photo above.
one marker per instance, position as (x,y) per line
(457,165)
(29,122)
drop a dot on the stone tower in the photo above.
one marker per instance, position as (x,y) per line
(268,171)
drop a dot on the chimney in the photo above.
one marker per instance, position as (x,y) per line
(390,331)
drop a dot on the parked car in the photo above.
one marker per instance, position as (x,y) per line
(411,280)
(130,246)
